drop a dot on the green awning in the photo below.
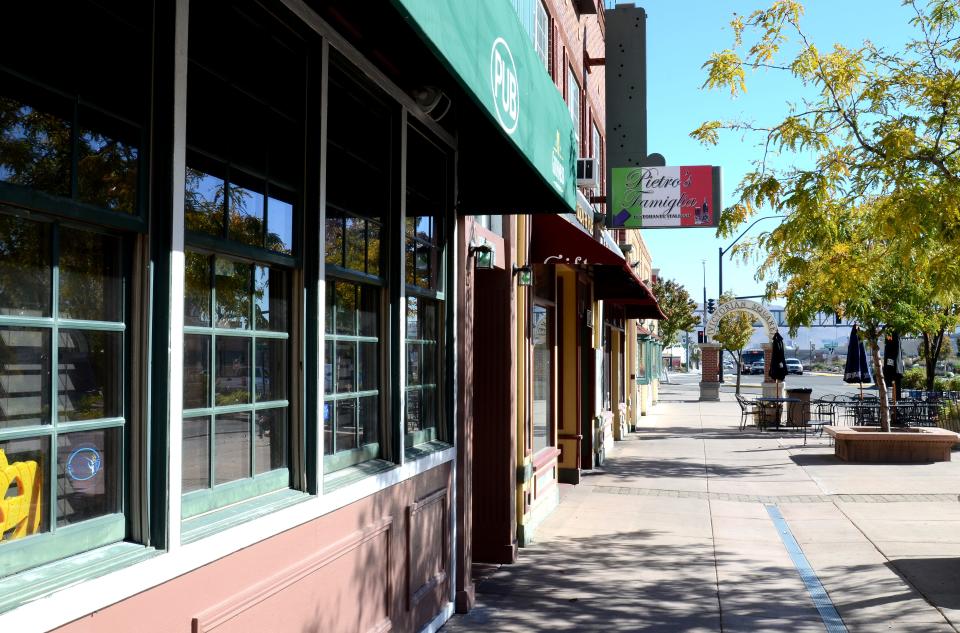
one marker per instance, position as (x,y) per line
(484,46)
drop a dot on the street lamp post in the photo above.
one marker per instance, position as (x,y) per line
(722,252)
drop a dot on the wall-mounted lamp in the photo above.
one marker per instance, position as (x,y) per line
(485,255)
(524,275)
(626,248)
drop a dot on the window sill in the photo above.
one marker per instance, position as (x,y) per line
(204,525)
(412,453)
(30,585)
(352,474)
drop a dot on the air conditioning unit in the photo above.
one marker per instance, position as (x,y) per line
(587,175)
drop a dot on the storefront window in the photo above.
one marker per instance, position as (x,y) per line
(62,375)
(606,377)
(543,392)
(361,123)
(642,352)
(352,374)
(428,190)
(242,180)
(71,170)
(235,374)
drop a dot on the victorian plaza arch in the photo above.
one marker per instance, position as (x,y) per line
(710,377)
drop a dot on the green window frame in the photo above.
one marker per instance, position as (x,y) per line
(427,202)
(353,400)
(64,405)
(237,379)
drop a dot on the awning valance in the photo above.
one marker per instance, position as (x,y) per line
(528,128)
(620,286)
(561,239)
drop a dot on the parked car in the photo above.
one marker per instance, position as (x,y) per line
(756,367)
(794,366)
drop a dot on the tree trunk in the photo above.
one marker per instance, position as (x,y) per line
(878,380)
(739,367)
(931,353)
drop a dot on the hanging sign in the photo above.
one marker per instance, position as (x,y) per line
(664,197)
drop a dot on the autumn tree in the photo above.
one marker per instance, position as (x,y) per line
(679,309)
(865,164)
(734,332)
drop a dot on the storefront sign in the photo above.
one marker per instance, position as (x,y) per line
(664,197)
(486,49)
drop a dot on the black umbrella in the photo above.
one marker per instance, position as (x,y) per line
(778,358)
(892,361)
(856,369)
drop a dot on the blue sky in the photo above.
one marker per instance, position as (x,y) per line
(680,37)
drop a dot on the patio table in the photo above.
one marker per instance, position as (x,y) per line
(771,408)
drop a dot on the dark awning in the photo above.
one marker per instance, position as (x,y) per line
(620,286)
(520,155)
(561,239)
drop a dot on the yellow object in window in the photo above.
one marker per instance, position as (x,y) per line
(21,513)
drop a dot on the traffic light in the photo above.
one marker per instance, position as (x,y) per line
(700,337)
(710,306)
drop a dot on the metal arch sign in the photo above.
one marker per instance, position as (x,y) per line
(742,305)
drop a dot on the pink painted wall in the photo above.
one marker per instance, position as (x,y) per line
(379,564)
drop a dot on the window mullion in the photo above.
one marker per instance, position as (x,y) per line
(54,379)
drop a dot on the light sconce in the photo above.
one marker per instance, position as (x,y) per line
(485,255)
(524,275)
(626,248)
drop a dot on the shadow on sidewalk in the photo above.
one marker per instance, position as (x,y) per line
(938,579)
(623,581)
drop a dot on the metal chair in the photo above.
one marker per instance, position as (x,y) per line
(748,409)
(823,413)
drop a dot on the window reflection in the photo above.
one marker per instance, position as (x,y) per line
(196,454)
(270,444)
(35,148)
(233,370)
(196,303)
(90,277)
(271,375)
(233,293)
(24,376)
(25,267)
(196,371)
(270,298)
(89,375)
(279,226)
(203,202)
(107,172)
(232,448)
(246,216)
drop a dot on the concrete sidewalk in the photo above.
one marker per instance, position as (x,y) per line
(675,535)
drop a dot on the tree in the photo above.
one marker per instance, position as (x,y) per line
(678,307)
(871,227)
(734,332)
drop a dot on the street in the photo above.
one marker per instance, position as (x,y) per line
(822,384)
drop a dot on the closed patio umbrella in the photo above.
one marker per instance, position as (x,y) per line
(778,358)
(856,369)
(892,362)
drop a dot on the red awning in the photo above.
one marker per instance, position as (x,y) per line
(619,285)
(561,239)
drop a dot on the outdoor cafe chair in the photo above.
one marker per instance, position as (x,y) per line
(824,413)
(748,409)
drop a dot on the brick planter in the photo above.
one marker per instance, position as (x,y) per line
(905,446)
